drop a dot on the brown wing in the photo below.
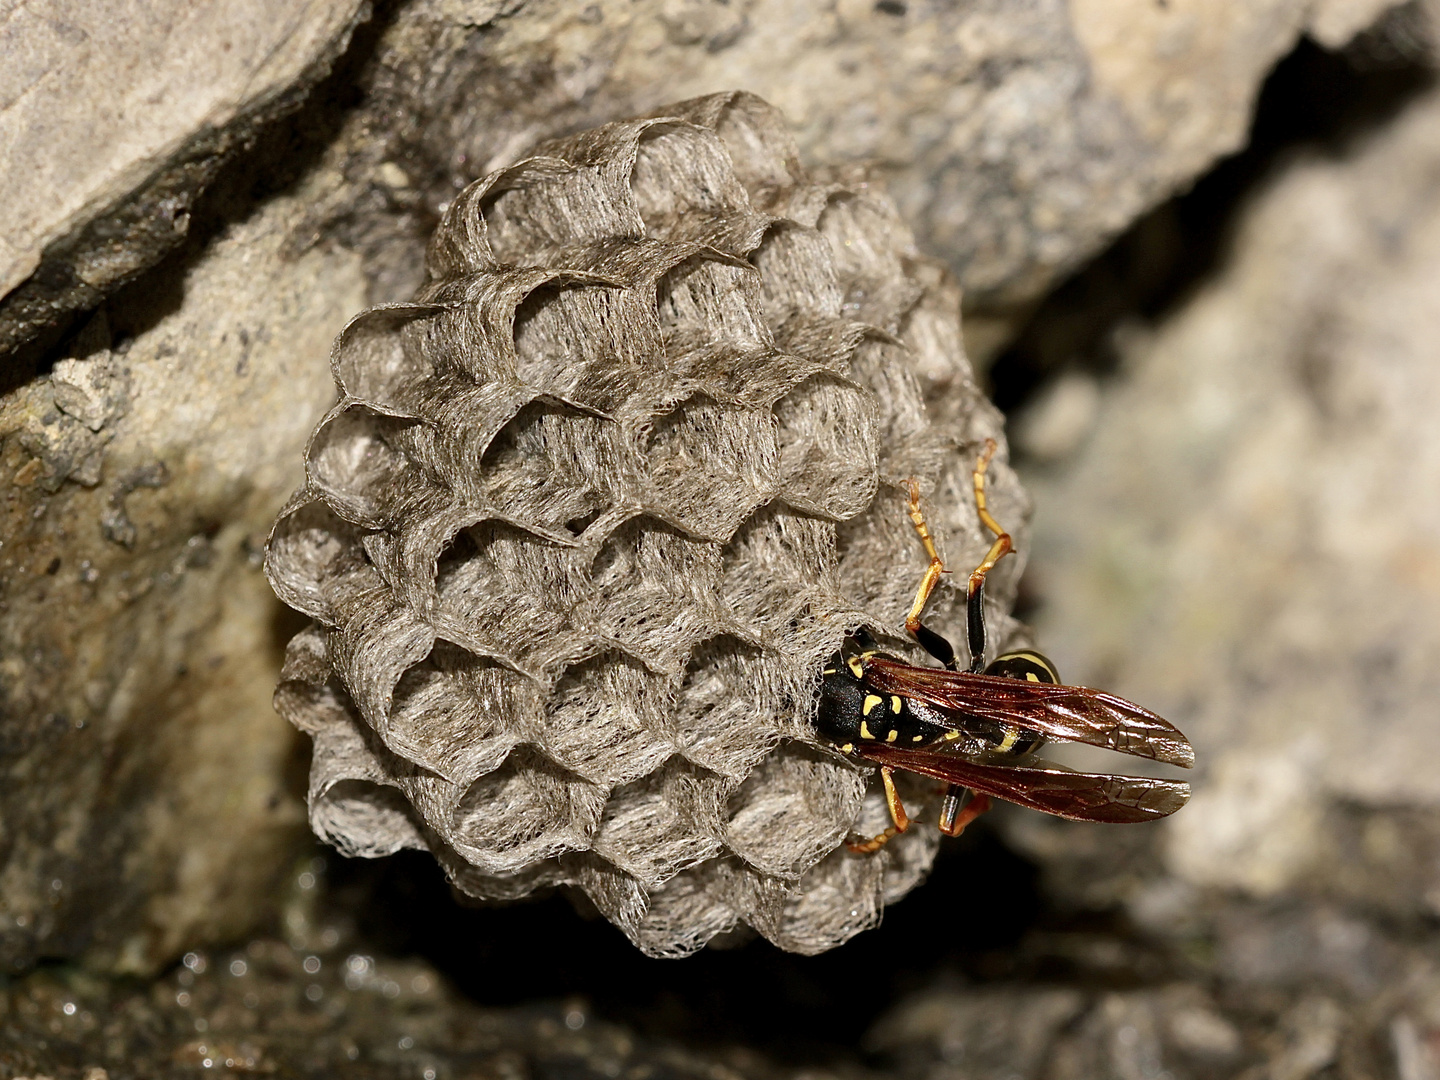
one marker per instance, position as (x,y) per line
(1051,790)
(1069,713)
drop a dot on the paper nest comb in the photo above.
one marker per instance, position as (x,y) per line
(591,513)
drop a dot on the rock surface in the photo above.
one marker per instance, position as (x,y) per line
(146,798)
(1018,137)
(1245,542)
(115,116)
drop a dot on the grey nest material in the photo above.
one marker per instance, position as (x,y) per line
(593,510)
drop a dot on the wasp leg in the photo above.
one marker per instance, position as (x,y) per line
(954,817)
(897,815)
(975,594)
(929,640)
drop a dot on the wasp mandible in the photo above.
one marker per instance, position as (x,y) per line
(978,729)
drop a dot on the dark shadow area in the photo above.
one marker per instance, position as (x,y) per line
(1314,100)
(964,924)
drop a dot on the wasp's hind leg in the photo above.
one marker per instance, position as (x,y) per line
(897,815)
(975,592)
(956,812)
(933,643)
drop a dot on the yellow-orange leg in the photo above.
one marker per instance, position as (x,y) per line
(932,642)
(897,815)
(936,567)
(975,594)
(953,819)
(1003,545)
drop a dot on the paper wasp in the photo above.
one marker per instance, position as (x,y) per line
(978,729)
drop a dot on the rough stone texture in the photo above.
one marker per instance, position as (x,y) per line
(1247,540)
(115,116)
(438,92)
(1254,510)
(1018,137)
(146,797)
(594,508)
(320,1003)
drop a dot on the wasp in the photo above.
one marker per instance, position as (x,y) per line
(978,729)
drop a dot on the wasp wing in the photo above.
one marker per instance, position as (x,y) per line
(1069,713)
(1050,789)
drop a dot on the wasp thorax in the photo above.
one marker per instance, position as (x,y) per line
(595,508)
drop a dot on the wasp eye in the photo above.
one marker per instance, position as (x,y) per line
(1026,664)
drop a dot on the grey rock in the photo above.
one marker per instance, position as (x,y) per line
(1247,542)
(144,770)
(115,116)
(145,795)
(1017,137)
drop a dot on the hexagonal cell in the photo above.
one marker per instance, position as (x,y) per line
(314,560)
(377,356)
(796,274)
(931,332)
(684,914)
(534,210)
(526,810)
(365,820)
(378,640)
(497,887)
(828,447)
(757,139)
(551,465)
(794,808)
(354,791)
(684,187)
(726,717)
(710,465)
(585,343)
(775,562)
(505,592)
(837,899)
(759,899)
(869,252)
(459,715)
(878,367)
(654,592)
(705,307)
(609,719)
(663,823)
(616,895)
(357,461)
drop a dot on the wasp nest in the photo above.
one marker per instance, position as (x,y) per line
(592,511)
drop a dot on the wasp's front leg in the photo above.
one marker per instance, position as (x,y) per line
(897,815)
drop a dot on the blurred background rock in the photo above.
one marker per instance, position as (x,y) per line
(1200,242)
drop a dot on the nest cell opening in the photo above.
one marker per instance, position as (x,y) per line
(527,810)
(793,809)
(551,464)
(610,719)
(682,181)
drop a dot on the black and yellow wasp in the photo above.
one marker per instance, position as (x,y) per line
(978,729)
